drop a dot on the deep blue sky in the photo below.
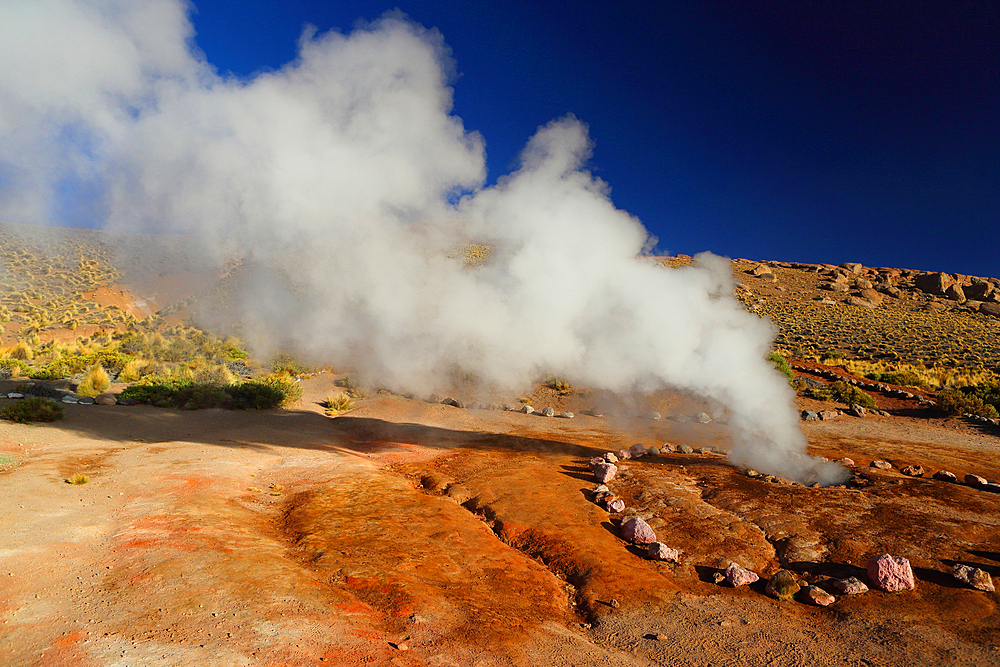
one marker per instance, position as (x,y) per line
(798,131)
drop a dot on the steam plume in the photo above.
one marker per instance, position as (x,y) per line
(345,181)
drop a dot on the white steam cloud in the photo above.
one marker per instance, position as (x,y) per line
(346,180)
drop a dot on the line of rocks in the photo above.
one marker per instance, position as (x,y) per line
(528,409)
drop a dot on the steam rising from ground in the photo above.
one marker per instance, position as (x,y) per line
(345,183)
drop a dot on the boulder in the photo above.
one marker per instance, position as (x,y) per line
(637,450)
(594,461)
(880,465)
(87,400)
(933,283)
(846,461)
(975,480)
(782,586)
(871,295)
(667,447)
(685,449)
(637,531)
(955,292)
(616,506)
(702,418)
(809,415)
(598,490)
(850,586)
(760,269)
(605,472)
(549,412)
(454,402)
(527,409)
(863,284)
(835,287)
(894,292)
(973,576)
(853,267)
(610,457)
(623,454)
(15,394)
(913,471)
(979,291)
(653,451)
(856,410)
(739,576)
(828,414)
(660,551)
(859,302)
(891,573)
(106,399)
(817,596)
(945,476)
(565,415)
(990,309)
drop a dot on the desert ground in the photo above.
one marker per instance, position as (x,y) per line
(411,533)
(405,531)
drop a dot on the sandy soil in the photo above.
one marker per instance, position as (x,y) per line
(406,533)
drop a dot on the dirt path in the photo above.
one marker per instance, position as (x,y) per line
(414,534)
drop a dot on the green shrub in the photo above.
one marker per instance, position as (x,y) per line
(32,410)
(844,393)
(981,399)
(14,366)
(287,364)
(781,364)
(901,378)
(55,370)
(340,403)
(271,391)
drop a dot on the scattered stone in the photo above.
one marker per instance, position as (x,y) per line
(828,414)
(614,604)
(610,457)
(739,576)
(600,488)
(660,551)
(933,283)
(846,461)
(891,573)
(955,292)
(853,267)
(851,586)
(653,451)
(623,454)
(15,394)
(637,450)
(594,461)
(685,449)
(857,410)
(616,506)
(809,415)
(596,412)
(654,415)
(70,399)
(718,577)
(565,415)
(527,409)
(637,531)
(129,401)
(945,476)
(667,447)
(752,474)
(975,480)
(973,576)
(702,418)
(105,399)
(880,465)
(782,586)
(454,402)
(86,401)
(549,412)
(605,472)
(817,596)
(705,450)
(913,471)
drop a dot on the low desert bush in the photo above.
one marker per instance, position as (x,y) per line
(340,403)
(781,364)
(844,393)
(21,351)
(271,391)
(77,479)
(94,382)
(982,400)
(35,409)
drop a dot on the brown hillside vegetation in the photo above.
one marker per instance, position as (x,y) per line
(360,527)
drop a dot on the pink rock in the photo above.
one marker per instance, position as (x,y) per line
(615,506)
(975,480)
(623,454)
(610,457)
(891,573)
(851,586)
(637,450)
(739,576)
(945,476)
(817,596)
(605,472)
(880,465)
(637,531)
(660,551)
(106,399)
(973,576)
(846,461)
(594,461)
